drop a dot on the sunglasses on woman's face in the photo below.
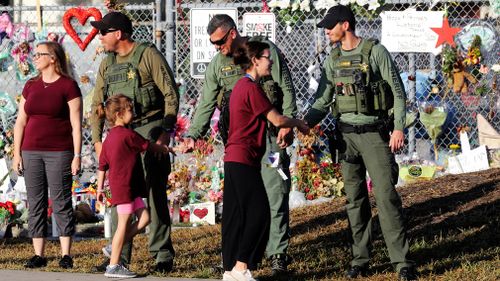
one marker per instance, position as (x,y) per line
(221,42)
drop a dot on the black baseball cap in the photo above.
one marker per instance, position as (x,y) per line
(114,20)
(336,14)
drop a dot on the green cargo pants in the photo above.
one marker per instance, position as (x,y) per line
(156,172)
(277,191)
(362,152)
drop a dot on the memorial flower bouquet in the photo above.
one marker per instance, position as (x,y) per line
(7,212)
(316,174)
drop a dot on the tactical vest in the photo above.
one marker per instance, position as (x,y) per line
(355,90)
(124,78)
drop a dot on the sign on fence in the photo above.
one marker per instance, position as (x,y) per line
(410,31)
(202,51)
(470,161)
(260,24)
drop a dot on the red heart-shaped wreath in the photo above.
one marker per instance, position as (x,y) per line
(200,213)
(82,15)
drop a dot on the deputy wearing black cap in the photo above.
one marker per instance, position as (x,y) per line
(139,71)
(360,84)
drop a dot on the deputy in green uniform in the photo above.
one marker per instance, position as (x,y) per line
(361,85)
(139,71)
(220,77)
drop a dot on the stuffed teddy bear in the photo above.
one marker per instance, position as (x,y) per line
(460,78)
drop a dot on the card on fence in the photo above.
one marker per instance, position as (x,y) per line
(202,212)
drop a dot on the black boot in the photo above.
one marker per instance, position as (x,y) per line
(407,274)
(279,266)
(356,271)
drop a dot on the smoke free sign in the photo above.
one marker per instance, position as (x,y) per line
(259,24)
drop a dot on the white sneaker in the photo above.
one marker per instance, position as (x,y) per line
(227,276)
(236,275)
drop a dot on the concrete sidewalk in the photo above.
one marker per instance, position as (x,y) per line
(34,275)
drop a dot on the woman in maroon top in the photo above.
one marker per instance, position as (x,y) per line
(47,145)
(246,216)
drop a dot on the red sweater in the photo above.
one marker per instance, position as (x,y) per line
(121,152)
(49,127)
(248,105)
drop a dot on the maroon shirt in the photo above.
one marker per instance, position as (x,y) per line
(120,154)
(247,126)
(49,127)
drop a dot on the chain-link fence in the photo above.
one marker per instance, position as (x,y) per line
(84,64)
(303,44)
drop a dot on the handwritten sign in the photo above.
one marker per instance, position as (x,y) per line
(259,24)
(409,31)
(471,161)
(202,212)
(202,51)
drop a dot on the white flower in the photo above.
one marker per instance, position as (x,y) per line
(295,5)
(325,4)
(305,5)
(283,4)
(344,2)
(361,2)
(373,4)
(495,67)
(273,4)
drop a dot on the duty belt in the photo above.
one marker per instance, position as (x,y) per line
(148,118)
(358,129)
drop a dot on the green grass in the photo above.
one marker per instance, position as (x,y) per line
(452,221)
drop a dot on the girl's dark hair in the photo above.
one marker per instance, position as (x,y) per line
(244,54)
(114,104)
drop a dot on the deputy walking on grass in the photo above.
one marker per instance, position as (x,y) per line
(361,85)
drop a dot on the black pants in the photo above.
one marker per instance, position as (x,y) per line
(246,216)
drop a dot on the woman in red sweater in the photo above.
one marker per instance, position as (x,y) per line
(246,216)
(47,145)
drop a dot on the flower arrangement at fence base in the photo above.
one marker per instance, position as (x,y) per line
(197,177)
(322,179)
(316,175)
(8,213)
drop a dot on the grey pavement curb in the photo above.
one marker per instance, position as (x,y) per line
(35,275)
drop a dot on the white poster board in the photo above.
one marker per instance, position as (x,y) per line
(260,24)
(202,212)
(410,31)
(470,161)
(202,51)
